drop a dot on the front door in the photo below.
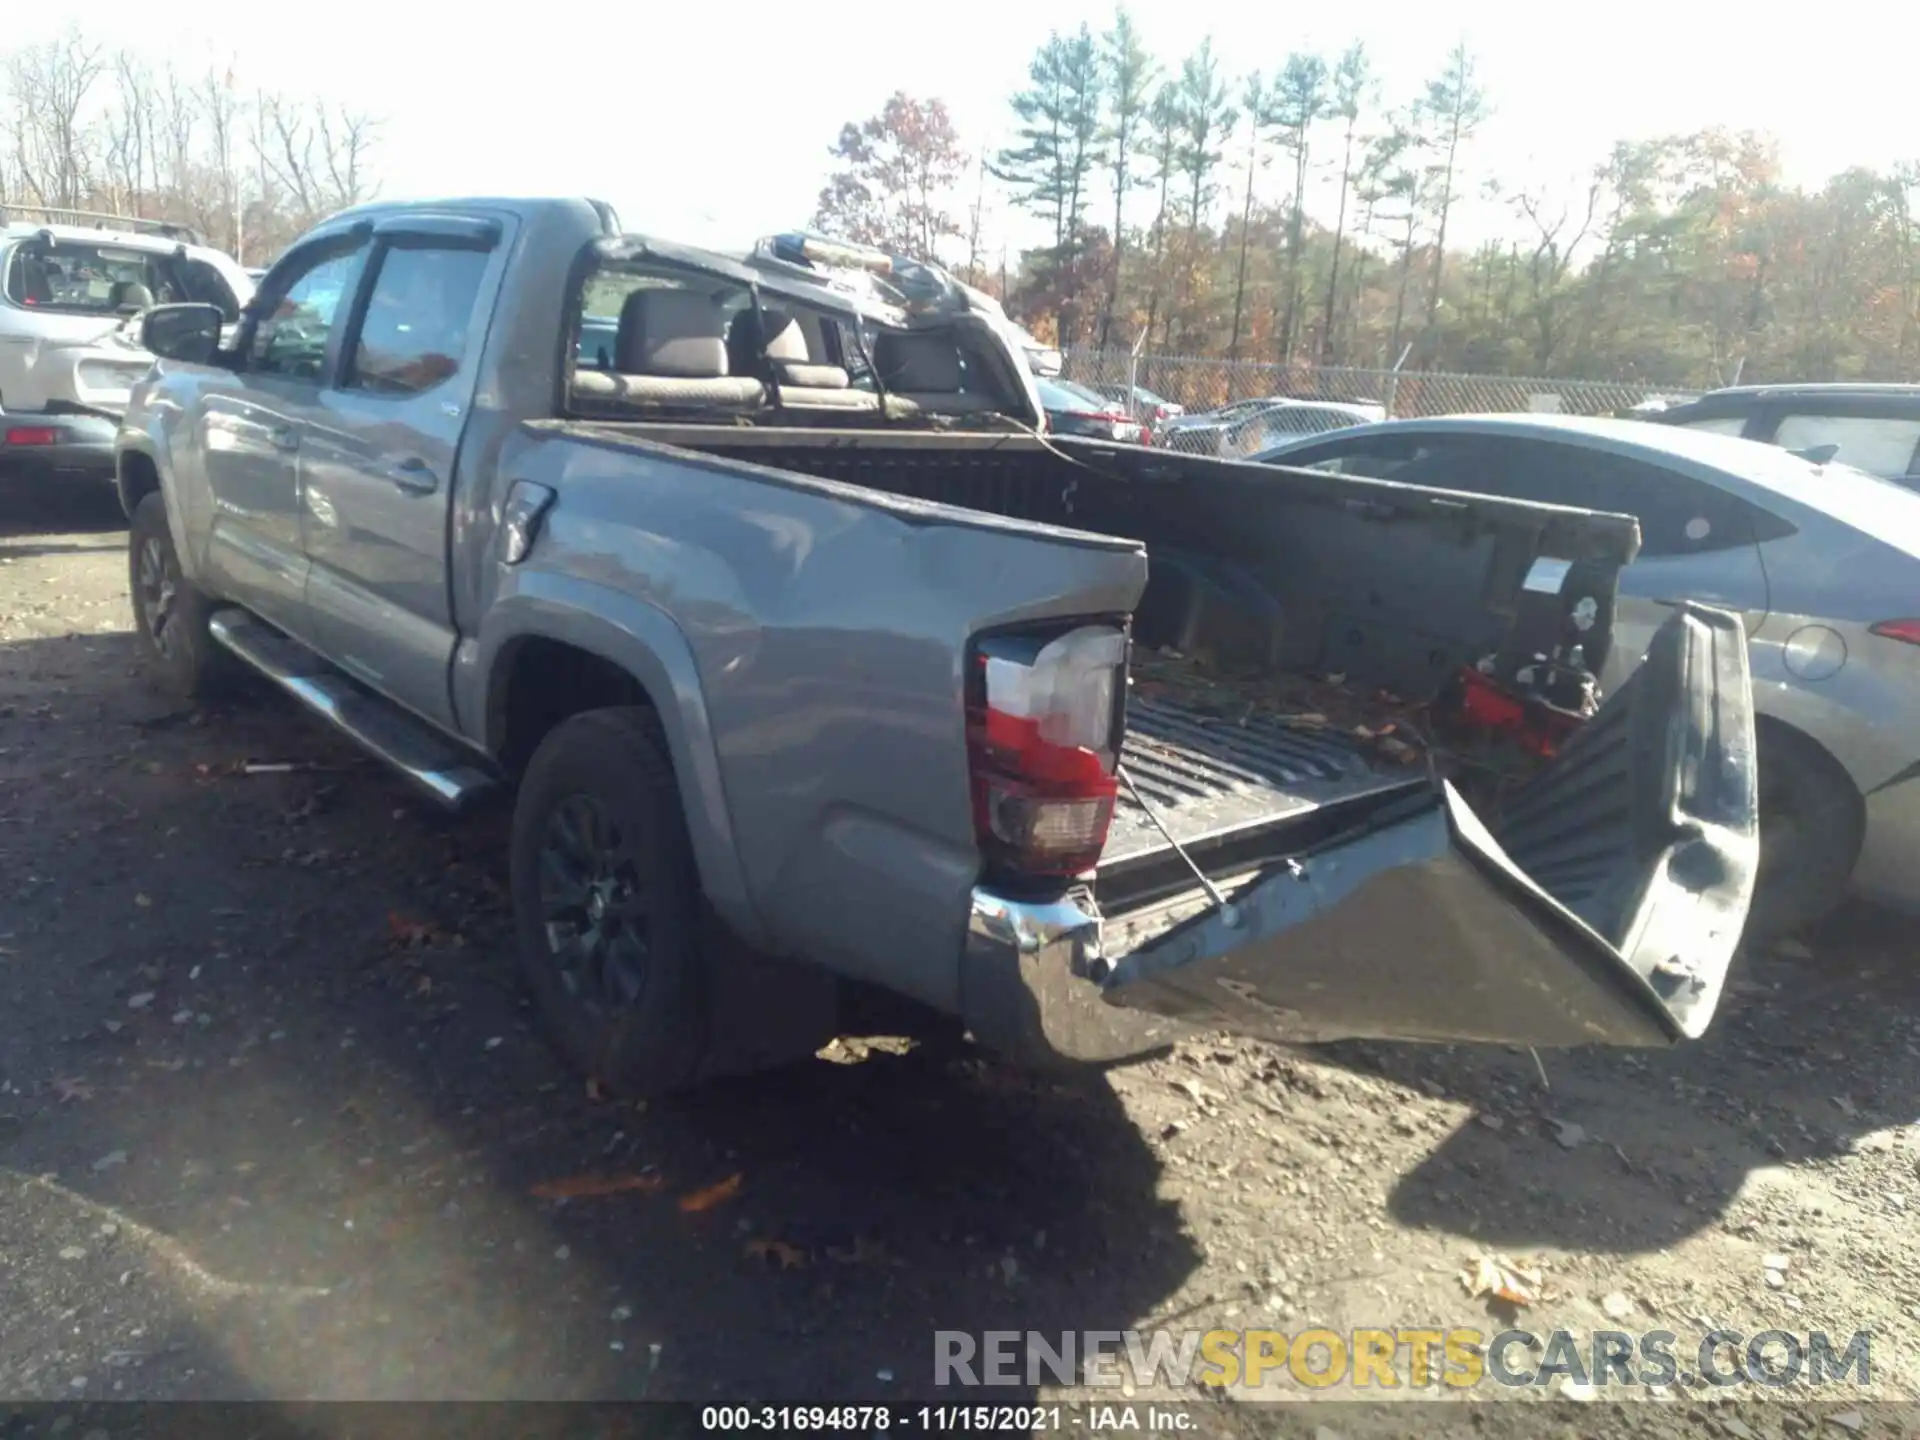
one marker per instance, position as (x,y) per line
(378,457)
(250,425)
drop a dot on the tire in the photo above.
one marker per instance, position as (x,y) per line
(169,612)
(619,978)
(1812,820)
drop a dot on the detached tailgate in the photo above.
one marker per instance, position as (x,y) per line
(1605,910)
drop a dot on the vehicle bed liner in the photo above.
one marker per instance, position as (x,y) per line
(1205,774)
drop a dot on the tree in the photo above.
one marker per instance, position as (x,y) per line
(1059,135)
(1130,76)
(1257,103)
(1300,100)
(1457,106)
(1352,87)
(895,177)
(1163,118)
(1206,119)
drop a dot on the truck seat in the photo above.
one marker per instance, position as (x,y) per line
(923,372)
(785,355)
(671,349)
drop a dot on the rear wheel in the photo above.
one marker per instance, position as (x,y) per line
(169,613)
(606,902)
(1811,822)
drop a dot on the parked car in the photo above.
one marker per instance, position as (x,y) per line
(1149,409)
(69,281)
(1823,561)
(814,687)
(1875,428)
(1247,426)
(1074,409)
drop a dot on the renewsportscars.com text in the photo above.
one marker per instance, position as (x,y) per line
(1409,1358)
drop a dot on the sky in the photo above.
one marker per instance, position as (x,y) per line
(710,123)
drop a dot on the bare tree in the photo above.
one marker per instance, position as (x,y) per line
(51,142)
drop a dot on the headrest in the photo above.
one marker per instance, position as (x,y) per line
(671,332)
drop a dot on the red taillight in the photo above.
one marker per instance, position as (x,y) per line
(1043,738)
(33,435)
(1907,630)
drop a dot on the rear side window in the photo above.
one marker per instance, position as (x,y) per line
(418,318)
(1678,514)
(1883,445)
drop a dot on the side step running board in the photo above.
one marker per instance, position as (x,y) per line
(436,764)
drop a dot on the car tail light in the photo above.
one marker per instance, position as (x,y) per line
(1907,630)
(33,435)
(1044,721)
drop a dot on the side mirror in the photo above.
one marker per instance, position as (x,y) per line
(182,332)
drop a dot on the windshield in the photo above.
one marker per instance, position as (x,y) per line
(80,278)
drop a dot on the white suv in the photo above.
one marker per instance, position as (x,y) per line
(69,282)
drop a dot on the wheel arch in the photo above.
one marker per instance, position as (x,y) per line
(559,646)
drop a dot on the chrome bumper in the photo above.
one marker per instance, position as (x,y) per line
(1030,986)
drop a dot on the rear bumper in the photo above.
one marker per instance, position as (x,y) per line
(81,447)
(1030,986)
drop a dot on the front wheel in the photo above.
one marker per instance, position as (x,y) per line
(169,612)
(606,903)
(1812,820)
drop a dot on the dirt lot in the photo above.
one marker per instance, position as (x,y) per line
(275,1122)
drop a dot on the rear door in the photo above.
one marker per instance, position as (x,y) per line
(378,457)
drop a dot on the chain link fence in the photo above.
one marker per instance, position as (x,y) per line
(1199,385)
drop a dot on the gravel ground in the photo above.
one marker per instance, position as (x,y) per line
(275,1122)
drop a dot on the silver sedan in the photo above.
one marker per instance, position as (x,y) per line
(1822,560)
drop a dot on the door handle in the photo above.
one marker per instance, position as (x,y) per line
(413,474)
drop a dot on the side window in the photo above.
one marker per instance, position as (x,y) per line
(1678,514)
(291,338)
(419,314)
(1442,463)
(1719,425)
(1879,444)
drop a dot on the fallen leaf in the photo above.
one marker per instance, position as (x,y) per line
(1617,1306)
(791,1257)
(142,901)
(410,934)
(1500,1279)
(1848,1420)
(698,1200)
(588,1187)
(72,1090)
(1776,1262)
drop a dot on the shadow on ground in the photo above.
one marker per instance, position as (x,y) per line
(32,506)
(276,1092)
(1809,1057)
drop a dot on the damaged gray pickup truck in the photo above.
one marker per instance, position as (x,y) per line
(805,655)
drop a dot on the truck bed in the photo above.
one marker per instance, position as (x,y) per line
(1213,757)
